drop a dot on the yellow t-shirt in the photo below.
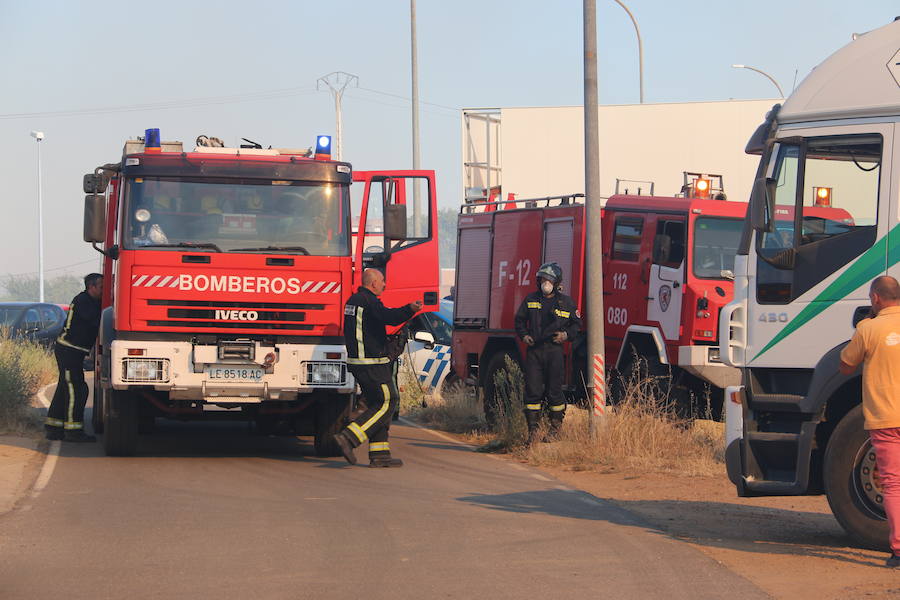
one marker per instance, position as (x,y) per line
(876,344)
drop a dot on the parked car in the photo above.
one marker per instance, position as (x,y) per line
(429,349)
(41,322)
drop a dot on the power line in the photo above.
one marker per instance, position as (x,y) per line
(84,262)
(171,104)
(408,99)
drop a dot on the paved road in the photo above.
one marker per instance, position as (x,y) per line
(210,511)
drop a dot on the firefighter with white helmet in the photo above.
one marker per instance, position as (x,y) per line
(546,319)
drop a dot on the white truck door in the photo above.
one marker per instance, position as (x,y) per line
(832,189)
(666,286)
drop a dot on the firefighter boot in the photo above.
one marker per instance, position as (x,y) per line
(78,435)
(346,446)
(53,433)
(384,461)
(531,419)
(556,420)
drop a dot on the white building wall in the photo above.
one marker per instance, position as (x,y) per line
(543,147)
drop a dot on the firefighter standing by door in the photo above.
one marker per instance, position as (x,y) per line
(545,320)
(65,417)
(365,318)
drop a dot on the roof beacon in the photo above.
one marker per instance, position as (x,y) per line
(151,141)
(323,147)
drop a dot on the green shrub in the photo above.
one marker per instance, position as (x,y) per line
(24,368)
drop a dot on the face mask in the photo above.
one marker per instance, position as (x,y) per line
(547,288)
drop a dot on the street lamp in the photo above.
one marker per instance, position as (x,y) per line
(39,136)
(640,47)
(763,73)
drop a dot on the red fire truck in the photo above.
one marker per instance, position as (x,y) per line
(666,273)
(226,270)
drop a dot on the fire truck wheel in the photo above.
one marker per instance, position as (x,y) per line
(331,415)
(97,407)
(497,365)
(121,423)
(852,485)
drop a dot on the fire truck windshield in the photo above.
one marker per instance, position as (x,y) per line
(236,216)
(715,244)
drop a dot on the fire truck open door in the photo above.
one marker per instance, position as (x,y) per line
(666,286)
(408,255)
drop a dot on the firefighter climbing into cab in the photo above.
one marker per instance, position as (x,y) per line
(545,320)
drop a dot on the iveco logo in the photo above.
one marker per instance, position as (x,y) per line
(237,315)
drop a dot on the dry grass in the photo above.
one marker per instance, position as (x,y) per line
(24,368)
(457,412)
(641,433)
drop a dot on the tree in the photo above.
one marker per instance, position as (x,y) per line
(447,236)
(60,289)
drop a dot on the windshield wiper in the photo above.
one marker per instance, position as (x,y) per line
(204,245)
(273,249)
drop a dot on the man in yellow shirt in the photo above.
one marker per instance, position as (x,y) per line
(876,343)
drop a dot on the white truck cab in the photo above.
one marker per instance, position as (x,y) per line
(822,224)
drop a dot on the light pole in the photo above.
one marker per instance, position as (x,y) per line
(337,82)
(38,136)
(764,74)
(640,46)
(417,206)
(596,383)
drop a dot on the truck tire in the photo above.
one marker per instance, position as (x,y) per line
(97,407)
(496,364)
(331,416)
(850,486)
(120,415)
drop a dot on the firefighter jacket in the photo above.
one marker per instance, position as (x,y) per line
(82,324)
(541,317)
(365,318)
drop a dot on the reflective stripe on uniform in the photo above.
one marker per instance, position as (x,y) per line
(368,361)
(534,305)
(379,447)
(53,422)
(386,394)
(359,433)
(533,407)
(65,343)
(74,425)
(562,313)
(558,407)
(360,346)
(71,390)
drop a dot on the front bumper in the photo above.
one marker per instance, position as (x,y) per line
(183,370)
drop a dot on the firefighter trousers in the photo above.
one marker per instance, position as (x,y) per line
(67,407)
(544,366)
(382,399)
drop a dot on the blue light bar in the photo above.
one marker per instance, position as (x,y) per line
(151,140)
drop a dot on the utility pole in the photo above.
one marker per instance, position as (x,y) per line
(39,136)
(417,205)
(336,83)
(594,259)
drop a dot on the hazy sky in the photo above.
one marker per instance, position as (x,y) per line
(92,74)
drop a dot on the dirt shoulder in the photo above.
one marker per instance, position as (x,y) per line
(21,458)
(789,546)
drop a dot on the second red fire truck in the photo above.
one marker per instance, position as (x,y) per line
(226,271)
(667,265)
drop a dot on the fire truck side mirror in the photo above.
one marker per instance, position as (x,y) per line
(395,221)
(94,218)
(94,183)
(662,248)
(762,205)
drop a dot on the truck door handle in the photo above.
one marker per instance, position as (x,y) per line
(676,285)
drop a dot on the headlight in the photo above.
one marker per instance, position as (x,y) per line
(325,373)
(143,370)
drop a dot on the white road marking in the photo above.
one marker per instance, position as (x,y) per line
(443,436)
(47,470)
(42,395)
(541,477)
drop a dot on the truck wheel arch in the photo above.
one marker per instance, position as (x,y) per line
(648,340)
(494,345)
